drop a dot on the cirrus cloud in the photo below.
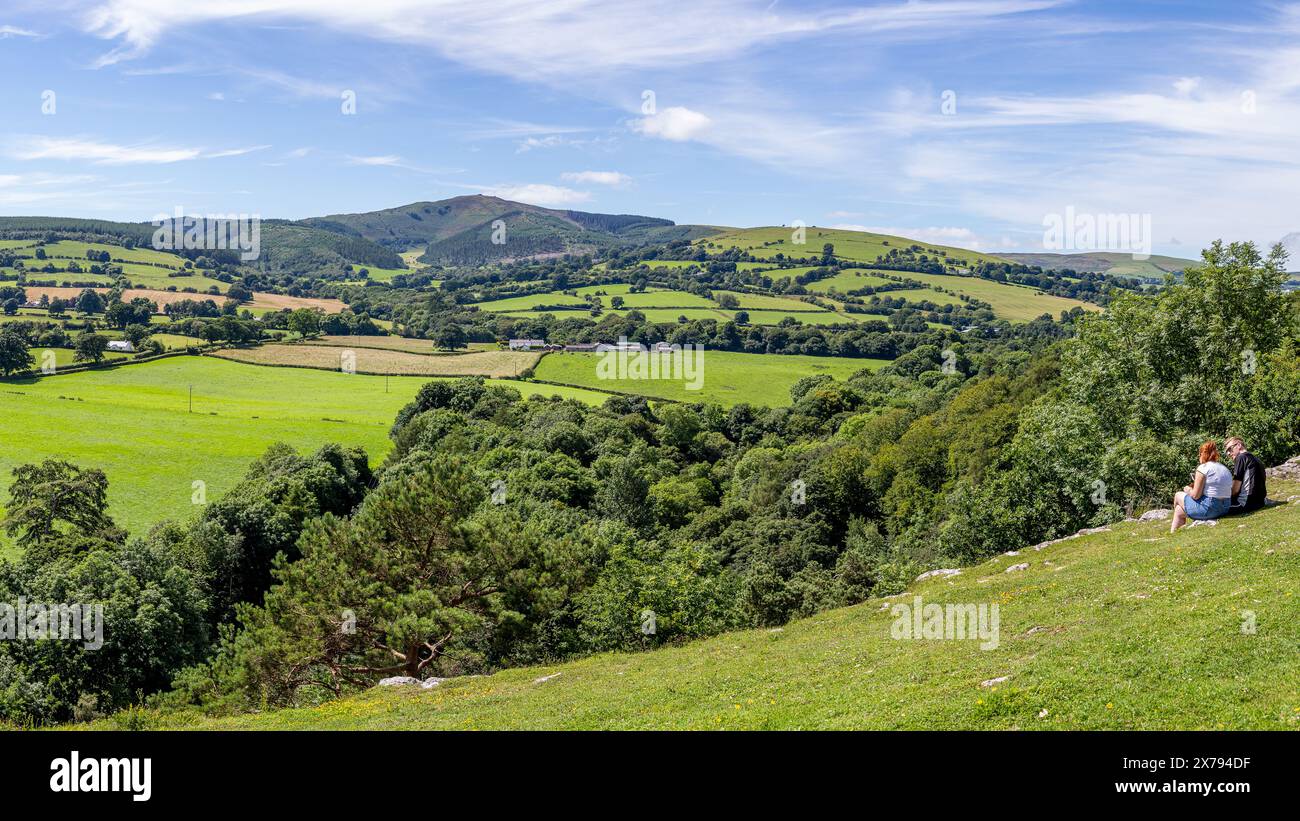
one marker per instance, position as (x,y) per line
(98,152)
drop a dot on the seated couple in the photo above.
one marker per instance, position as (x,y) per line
(1216,491)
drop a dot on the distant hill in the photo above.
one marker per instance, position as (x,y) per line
(459,230)
(1291,242)
(285,245)
(854,246)
(1115,263)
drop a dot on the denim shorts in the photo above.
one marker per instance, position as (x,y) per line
(1207,507)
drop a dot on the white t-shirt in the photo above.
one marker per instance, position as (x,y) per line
(1218,480)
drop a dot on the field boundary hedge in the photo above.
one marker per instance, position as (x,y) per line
(609,391)
(363,373)
(107,365)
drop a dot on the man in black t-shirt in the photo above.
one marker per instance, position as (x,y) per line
(1248,478)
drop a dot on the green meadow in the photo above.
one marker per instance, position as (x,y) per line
(1131,629)
(847,280)
(751,302)
(134,423)
(77,250)
(1017,303)
(854,246)
(729,378)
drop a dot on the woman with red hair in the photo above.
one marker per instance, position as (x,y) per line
(1209,495)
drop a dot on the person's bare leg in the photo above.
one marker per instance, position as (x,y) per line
(1180,515)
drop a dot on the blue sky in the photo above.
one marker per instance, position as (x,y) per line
(832,113)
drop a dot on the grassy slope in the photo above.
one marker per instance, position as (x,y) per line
(1110,262)
(133,423)
(1017,303)
(729,377)
(1129,629)
(855,246)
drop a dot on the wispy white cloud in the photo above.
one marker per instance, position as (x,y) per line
(550,196)
(381,159)
(525,38)
(98,152)
(7,31)
(236,152)
(676,123)
(596,177)
(956,236)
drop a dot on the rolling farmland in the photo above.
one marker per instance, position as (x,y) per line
(729,378)
(370,360)
(135,423)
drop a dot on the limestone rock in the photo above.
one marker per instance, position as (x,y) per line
(947,571)
(397,681)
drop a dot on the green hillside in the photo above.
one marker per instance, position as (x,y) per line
(854,246)
(122,420)
(1132,628)
(459,230)
(726,377)
(1106,262)
(284,245)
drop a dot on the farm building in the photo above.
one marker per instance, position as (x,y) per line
(626,347)
(121,346)
(526,344)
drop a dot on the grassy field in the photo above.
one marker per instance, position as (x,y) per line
(64,356)
(77,250)
(1132,629)
(847,280)
(766,317)
(390,343)
(729,378)
(750,302)
(368,360)
(756,316)
(134,423)
(917,295)
(143,267)
(174,341)
(1017,303)
(527,303)
(651,298)
(261,303)
(153,277)
(854,246)
(1115,263)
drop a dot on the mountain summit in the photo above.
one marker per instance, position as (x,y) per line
(460,230)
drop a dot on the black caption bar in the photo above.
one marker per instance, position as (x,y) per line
(138,773)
